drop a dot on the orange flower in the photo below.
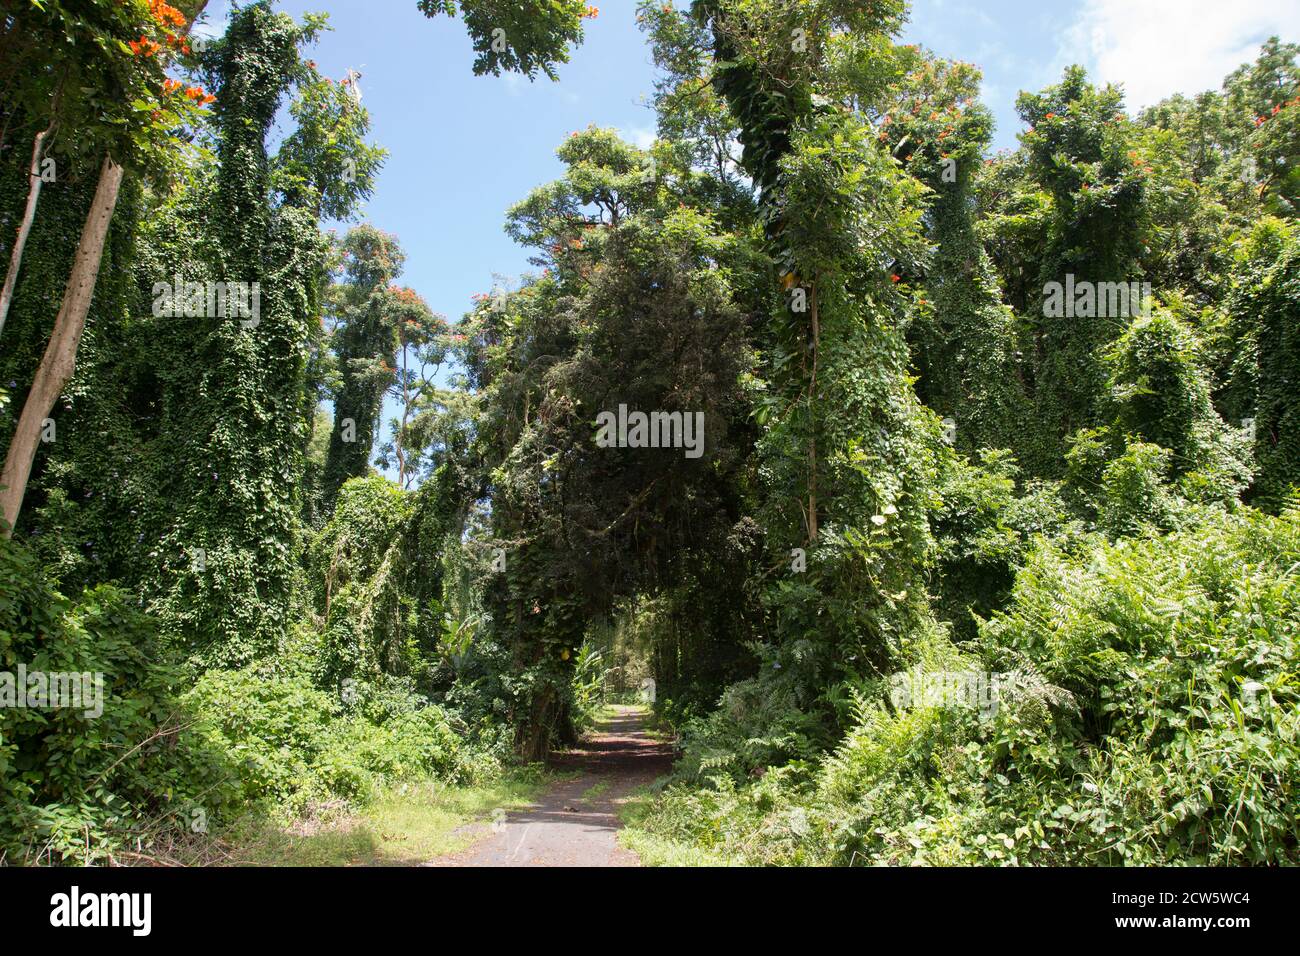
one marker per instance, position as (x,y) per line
(165,13)
(895,278)
(144,46)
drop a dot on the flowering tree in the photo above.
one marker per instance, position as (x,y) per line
(422,346)
(128,112)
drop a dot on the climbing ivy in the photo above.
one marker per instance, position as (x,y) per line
(365,345)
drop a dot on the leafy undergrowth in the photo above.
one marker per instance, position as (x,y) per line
(1148,715)
(407,824)
(642,836)
(161,766)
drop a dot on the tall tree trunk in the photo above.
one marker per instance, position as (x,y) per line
(61,354)
(29,216)
(533,737)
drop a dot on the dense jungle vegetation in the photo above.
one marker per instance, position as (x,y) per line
(931,454)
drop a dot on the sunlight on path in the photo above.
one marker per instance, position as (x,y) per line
(575,823)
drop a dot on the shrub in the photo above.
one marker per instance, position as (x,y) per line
(81,789)
(1149,714)
(983,529)
(758,724)
(1181,652)
(295,746)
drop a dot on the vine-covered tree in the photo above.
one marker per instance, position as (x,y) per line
(365,345)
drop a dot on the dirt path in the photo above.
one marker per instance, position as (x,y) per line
(575,823)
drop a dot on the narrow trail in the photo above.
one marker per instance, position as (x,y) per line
(575,823)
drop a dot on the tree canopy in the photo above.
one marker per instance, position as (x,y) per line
(947,498)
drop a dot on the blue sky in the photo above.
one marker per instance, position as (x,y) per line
(464,148)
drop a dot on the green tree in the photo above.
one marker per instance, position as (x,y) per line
(634,272)
(964,338)
(1080,149)
(365,343)
(846,447)
(1267,295)
(420,432)
(129,120)
(528,37)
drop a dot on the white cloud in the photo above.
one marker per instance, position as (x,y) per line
(1158,47)
(640,137)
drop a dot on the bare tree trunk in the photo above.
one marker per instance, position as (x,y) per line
(61,354)
(25,227)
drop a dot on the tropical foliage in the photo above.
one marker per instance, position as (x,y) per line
(962,564)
